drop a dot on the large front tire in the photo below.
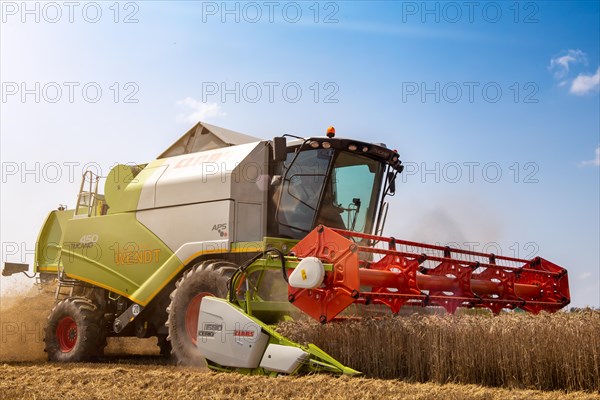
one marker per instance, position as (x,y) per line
(74,331)
(208,278)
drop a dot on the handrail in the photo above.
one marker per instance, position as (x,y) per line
(91,194)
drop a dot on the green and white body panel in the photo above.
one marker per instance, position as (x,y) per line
(49,242)
(161,219)
(232,340)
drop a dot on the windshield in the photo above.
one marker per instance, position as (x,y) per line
(351,196)
(348,198)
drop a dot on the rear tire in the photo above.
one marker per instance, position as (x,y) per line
(208,278)
(74,331)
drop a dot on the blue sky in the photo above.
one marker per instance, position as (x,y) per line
(543,56)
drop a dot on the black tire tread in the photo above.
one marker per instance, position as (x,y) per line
(212,276)
(91,339)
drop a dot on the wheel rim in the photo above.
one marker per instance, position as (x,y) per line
(191,316)
(66,333)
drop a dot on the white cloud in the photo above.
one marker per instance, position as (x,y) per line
(198,111)
(560,64)
(585,275)
(595,161)
(584,84)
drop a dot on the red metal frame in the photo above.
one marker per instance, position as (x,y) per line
(461,278)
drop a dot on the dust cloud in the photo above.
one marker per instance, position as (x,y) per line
(22,322)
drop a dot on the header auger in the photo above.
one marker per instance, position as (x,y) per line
(400,277)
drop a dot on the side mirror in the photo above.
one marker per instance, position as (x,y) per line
(279,148)
(391,177)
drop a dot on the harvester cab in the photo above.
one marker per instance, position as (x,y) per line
(335,182)
(224,235)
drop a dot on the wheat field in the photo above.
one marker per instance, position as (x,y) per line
(514,350)
(103,381)
(513,355)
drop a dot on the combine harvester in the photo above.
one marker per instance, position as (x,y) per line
(224,235)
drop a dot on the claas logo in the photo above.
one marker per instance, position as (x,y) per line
(238,333)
